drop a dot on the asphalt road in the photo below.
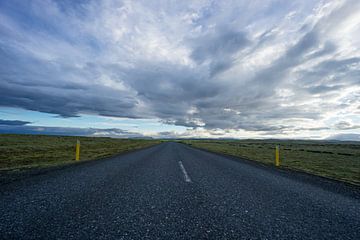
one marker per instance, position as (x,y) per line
(173,191)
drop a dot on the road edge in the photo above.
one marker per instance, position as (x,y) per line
(14,175)
(328,184)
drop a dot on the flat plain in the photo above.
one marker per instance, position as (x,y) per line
(38,151)
(331,159)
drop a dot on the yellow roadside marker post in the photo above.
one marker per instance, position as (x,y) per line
(277,156)
(77,155)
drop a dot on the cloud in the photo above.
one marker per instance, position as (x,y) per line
(67,131)
(234,66)
(217,48)
(343,125)
(13,122)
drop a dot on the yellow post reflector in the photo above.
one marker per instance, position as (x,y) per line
(277,156)
(77,156)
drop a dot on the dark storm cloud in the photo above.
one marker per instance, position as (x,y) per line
(221,42)
(323,89)
(338,68)
(47,87)
(218,47)
(344,125)
(13,122)
(66,102)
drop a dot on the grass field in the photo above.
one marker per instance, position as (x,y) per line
(336,160)
(28,151)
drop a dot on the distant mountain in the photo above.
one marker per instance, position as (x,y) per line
(345,137)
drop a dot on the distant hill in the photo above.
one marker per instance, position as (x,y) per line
(345,137)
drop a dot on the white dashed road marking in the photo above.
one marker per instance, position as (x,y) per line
(186,176)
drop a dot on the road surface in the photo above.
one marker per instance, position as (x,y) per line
(173,191)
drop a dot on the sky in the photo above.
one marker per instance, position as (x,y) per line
(179,69)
